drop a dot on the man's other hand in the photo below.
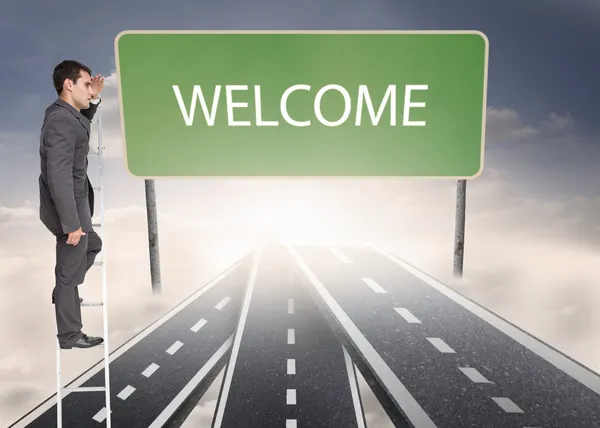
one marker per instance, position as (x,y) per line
(97,86)
(74,237)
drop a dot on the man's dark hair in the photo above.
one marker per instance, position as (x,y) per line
(67,69)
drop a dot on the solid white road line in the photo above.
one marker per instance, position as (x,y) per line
(360,420)
(174,347)
(198,325)
(413,411)
(576,370)
(222,303)
(290,398)
(126,392)
(374,286)
(474,375)
(341,256)
(441,345)
(291,306)
(507,405)
(291,336)
(238,339)
(291,366)
(150,370)
(407,315)
(180,398)
(291,423)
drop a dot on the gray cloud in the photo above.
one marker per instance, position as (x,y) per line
(15,396)
(531,259)
(505,124)
(523,259)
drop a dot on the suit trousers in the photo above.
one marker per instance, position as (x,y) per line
(72,264)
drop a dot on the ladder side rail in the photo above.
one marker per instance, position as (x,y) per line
(58,387)
(103,272)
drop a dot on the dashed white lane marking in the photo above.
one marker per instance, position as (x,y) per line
(290,398)
(191,386)
(374,286)
(126,392)
(474,375)
(150,370)
(222,303)
(407,315)
(441,345)
(101,415)
(560,361)
(198,325)
(341,256)
(291,366)
(507,405)
(174,347)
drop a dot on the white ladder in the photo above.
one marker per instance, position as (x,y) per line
(102,263)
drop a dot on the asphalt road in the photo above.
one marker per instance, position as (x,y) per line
(443,360)
(159,368)
(287,368)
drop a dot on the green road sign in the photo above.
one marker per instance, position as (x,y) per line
(290,104)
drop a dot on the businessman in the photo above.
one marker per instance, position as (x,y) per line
(66,194)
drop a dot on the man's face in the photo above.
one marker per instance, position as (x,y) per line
(81,92)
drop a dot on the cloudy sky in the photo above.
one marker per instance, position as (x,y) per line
(533,219)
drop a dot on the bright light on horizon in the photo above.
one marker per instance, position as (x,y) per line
(299,219)
(294,219)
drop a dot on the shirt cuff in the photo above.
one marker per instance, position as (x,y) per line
(95,101)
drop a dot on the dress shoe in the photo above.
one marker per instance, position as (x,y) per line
(84,341)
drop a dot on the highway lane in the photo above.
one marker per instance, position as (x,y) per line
(444,360)
(287,368)
(154,372)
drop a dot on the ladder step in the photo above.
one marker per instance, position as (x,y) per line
(98,263)
(92,304)
(96,224)
(85,389)
(96,152)
(98,188)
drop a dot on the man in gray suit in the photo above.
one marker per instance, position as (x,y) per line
(66,194)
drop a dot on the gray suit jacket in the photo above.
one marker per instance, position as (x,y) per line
(66,194)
